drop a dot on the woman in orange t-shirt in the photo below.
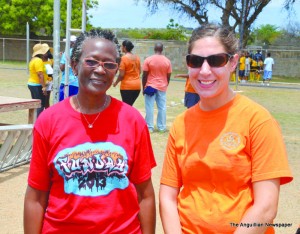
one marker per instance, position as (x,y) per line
(191,98)
(225,158)
(129,74)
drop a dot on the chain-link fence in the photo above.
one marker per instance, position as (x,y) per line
(287,61)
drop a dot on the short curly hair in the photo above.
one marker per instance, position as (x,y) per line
(93,34)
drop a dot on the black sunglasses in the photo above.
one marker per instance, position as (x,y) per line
(215,60)
(88,62)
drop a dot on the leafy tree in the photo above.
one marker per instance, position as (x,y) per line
(14,15)
(267,33)
(234,12)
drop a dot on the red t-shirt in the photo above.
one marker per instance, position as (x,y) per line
(90,173)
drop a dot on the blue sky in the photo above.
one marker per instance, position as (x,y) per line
(126,14)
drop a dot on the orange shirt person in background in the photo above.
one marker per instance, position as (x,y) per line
(129,74)
(191,98)
(225,158)
(157,70)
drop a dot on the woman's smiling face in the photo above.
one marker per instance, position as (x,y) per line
(97,80)
(211,82)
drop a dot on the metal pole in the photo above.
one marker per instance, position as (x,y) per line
(27,46)
(67,48)
(83,23)
(241,29)
(56,51)
(3,52)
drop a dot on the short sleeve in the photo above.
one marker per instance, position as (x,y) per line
(39,65)
(170,68)
(145,65)
(122,64)
(39,173)
(144,159)
(269,157)
(171,172)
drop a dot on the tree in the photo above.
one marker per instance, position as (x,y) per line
(267,33)
(288,4)
(234,12)
(293,29)
(14,15)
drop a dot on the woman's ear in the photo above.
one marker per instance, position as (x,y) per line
(234,62)
(74,66)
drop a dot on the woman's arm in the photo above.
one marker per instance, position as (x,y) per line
(42,81)
(264,209)
(62,67)
(147,215)
(144,79)
(168,209)
(120,77)
(35,204)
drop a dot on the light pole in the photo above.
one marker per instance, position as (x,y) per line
(241,30)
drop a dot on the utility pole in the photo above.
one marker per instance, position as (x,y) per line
(56,50)
(241,30)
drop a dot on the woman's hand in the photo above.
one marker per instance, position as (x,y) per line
(44,89)
(264,209)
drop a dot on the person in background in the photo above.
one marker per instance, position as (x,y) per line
(260,69)
(242,68)
(268,68)
(191,98)
(157,71)
(37,74)
(129,74)
(225,158)
(73,80)
(247,66)
(253,67)
(90,170)
(258,55)
(48,62)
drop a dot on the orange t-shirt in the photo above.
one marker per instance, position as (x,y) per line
(132,68)
(215,156)
(188,87)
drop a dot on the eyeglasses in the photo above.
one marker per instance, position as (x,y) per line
(215,60)
(88,62)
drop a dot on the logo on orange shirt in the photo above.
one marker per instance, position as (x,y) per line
(230,140)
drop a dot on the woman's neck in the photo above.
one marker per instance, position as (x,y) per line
(209,104)
(90,105)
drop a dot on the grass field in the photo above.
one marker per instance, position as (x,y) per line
(282,103)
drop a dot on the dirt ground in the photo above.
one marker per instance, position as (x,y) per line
(13,182)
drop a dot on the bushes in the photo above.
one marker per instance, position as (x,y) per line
(173,31)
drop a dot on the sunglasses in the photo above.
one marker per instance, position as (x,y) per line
(215,60)
(92,63)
